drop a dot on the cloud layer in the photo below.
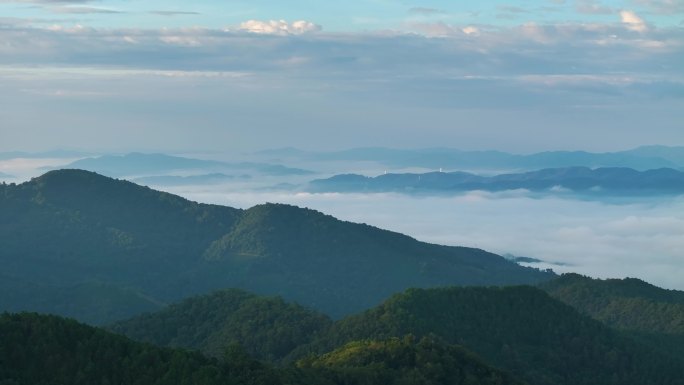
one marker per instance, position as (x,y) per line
(279,27)
(430,81)
(641,238)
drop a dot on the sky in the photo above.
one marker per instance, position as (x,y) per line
(234,76)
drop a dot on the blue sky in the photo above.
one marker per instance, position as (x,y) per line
(241,75)
(353,15)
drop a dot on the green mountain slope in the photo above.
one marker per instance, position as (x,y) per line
(69,227)
(628,304)
(47,350)
(268,328)
(42,350)
(519,329)
(95,303)
(356,265)
(72,220)
(405,361)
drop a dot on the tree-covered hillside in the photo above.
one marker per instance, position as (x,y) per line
(404,361)
(629,304)
(519,329)
(355,265)
(267,327)
(650,314)
(73,227)
(48,350)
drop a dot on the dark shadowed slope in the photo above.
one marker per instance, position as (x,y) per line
(37,349)
(71,227)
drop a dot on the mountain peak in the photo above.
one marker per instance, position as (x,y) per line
(91,227)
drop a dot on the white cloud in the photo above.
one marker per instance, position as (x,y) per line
(279,27)
(187,41)
(632,21)
(75,29)
(470,30)
(67,93)
(83,10)
(174,13)
(548,77)
(438,29)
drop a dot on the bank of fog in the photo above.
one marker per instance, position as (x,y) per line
(641,238)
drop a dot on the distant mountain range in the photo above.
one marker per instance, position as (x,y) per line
(71,228)
(57,154)
(203,179)
(139,164)
(575,179)
(641,158)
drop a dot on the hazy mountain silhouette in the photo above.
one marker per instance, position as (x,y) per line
(136,164)
(574,179)
(175,180)
(642,158)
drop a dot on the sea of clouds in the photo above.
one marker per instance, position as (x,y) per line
(637,237)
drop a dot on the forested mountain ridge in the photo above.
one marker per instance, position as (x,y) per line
(41,350)
(310,249)
(406,361)
(519,329)
(68,227)
(71,227)
(267,327)
(628,304)
(650,314)
(46,350)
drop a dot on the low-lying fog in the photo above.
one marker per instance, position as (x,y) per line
(641,238)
